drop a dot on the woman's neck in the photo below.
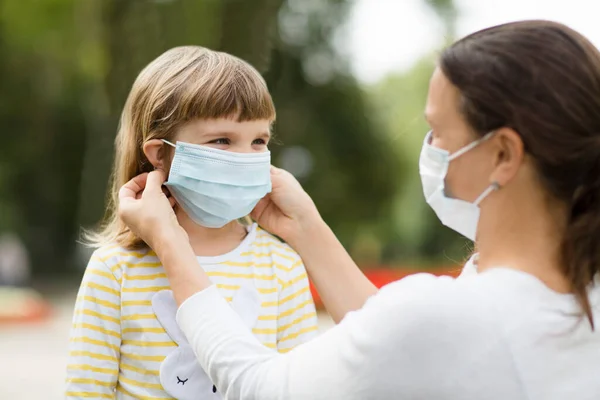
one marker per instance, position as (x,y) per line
(210,242)
(528,240)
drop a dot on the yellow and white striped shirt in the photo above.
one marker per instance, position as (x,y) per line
(117,344)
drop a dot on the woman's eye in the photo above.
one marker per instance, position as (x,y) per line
(220,141)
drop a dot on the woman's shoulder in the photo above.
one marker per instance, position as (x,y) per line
(429,327)
(425,302)
(422,289)
(425,317)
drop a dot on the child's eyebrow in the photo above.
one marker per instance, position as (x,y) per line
(263,134)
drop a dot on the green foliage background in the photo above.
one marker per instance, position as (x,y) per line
(66,67)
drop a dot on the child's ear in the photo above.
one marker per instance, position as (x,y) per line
(155,153)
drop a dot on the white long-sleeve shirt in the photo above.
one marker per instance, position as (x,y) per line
(498,335)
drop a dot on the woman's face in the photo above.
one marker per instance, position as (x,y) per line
(470,174)
(500,160)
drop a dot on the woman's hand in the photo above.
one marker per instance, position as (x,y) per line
(288,211)
(148,211)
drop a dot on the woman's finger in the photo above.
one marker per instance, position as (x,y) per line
(275,170)
(170,197)
(260,207)
(135,186)
(154,182)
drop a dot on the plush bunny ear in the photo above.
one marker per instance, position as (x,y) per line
(246,303)
(165,308)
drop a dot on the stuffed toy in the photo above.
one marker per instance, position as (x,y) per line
(180,373)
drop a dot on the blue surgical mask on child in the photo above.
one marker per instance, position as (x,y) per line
(459,215)
(215,187)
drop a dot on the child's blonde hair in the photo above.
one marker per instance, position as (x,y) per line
(183,84)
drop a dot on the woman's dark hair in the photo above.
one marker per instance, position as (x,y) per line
(542,79)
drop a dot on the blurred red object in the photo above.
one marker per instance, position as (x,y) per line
(382,276)
(22,305)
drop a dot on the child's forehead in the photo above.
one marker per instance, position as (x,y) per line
(203,128)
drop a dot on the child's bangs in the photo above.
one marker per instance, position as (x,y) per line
(239,94)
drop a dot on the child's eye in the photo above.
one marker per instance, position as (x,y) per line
(259,142)
(220,141)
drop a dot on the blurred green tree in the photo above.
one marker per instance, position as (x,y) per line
(399,100)
(70,65)
(42,137)
(322,110)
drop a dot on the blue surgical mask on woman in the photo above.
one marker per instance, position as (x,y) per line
(460,215)
(215,187)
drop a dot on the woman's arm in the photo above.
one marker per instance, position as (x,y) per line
(186,277)
(287,211)
(340,283)
(386,349)
(291,214)
(239,365)
(390,348)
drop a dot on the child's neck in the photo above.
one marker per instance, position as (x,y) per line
(210,242)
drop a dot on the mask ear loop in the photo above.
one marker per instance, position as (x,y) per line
(493,187)
(470,146)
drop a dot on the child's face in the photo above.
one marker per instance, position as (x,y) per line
(227,134)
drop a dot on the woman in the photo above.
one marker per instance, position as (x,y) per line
(513,161)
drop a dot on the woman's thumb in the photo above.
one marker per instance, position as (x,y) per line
(155,181)
(260,208)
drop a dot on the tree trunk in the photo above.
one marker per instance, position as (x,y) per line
(247,30)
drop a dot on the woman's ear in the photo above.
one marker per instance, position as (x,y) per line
(155,153)
(510,153)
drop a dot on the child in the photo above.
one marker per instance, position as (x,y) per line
(204,117)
